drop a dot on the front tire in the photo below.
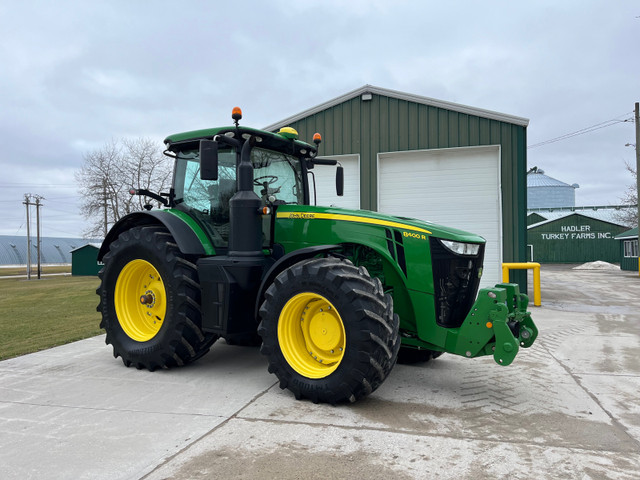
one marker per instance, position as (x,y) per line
(150,301)
(328,330)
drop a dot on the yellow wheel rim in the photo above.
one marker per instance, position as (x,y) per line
(140,300)
(311,335)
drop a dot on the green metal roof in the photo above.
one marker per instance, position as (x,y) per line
(606,215)
(629,234)
(409,97)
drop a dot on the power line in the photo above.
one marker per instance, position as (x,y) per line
(592,128)
(73,207)
(51,229)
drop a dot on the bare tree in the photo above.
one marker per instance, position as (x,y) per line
(629,216)
(109,172)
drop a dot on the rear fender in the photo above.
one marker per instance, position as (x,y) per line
(187,240)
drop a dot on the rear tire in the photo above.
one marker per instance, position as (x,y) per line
(328,331)
(150,301)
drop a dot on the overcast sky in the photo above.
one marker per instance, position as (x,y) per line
(74,75)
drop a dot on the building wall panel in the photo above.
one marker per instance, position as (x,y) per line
(386,124)
(575,239)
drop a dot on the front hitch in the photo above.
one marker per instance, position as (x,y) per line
(498,323)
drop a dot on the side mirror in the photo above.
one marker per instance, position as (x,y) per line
(340,180)
(208,160)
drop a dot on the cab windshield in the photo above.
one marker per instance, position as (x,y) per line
(277,181)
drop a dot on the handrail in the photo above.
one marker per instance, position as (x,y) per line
(506,267)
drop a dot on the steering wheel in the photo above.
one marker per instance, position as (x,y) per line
(268,179)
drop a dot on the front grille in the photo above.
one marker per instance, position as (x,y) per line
(456,279)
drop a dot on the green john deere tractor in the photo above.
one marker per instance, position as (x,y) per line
(334,296)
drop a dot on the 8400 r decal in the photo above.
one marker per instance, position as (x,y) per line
(419,236)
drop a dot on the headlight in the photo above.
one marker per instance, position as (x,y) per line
(460,248)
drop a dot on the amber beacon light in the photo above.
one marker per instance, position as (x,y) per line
(236,114)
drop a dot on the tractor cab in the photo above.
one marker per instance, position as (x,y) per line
(207,166)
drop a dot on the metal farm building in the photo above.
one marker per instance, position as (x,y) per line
(560,232)
(547,192)
(84,260)
(53,250)
(574,237)
(415,156)
(628,250)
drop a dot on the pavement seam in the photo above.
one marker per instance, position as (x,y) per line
(438,435)
(595,399)
(206,434)
(103,409)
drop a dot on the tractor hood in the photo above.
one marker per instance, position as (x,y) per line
(376,218)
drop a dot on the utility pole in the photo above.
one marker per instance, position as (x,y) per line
(637,121)
(27,202)
(38,242)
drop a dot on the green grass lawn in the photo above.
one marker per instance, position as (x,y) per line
(5,271)
(39,314)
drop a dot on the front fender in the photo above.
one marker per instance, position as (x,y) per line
(285,262)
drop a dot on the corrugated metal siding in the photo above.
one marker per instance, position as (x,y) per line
(386,124)
(575,239)
(627,263)
(551,197)
(54,250)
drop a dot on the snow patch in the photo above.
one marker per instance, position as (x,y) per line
(597,265)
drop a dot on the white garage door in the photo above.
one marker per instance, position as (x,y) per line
(326,182)
(455,187)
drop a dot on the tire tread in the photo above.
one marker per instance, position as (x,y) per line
(181,340)
(371,322)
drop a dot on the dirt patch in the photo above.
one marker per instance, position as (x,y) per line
(612,324)
(550,429)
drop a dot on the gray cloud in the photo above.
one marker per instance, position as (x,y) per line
(76,74)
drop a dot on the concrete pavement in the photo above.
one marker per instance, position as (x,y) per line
(567,408)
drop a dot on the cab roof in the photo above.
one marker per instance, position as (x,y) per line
(276,141)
